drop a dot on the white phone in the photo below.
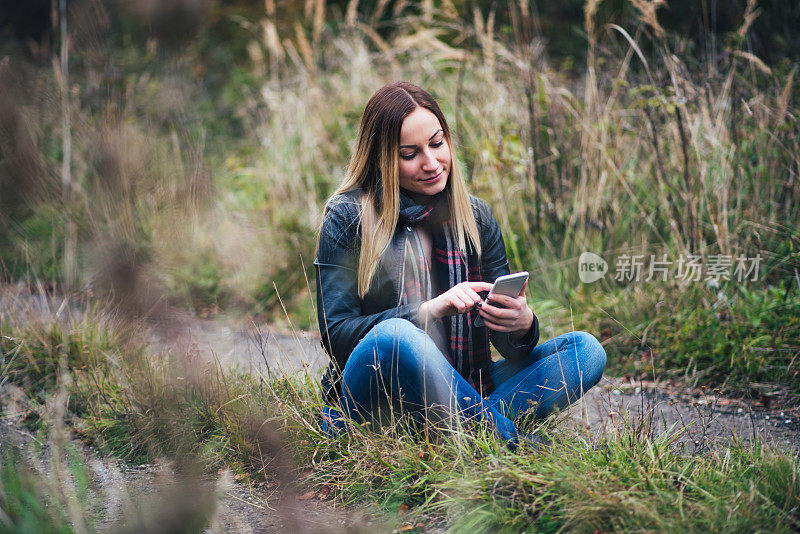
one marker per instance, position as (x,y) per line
(509,285)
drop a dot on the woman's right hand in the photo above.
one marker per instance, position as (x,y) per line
(460,298)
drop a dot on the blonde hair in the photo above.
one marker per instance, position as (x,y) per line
(374,169)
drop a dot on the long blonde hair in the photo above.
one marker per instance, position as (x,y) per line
(374,169)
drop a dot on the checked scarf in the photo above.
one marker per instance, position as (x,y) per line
(465,347)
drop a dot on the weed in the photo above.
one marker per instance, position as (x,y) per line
(25,505)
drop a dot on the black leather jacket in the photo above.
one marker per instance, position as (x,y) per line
(344,318)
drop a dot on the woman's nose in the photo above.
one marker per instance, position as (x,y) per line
(429,163)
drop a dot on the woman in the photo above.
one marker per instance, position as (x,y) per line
(404,253)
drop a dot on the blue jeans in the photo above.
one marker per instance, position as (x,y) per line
(396,361)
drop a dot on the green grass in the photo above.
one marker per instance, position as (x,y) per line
(205,417)
(51,486)
(625,480)
(26,505)
(627,484)
(749,336)
(738,339)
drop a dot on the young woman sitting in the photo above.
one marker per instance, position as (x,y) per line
(404,257)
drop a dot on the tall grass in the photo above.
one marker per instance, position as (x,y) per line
(650,154)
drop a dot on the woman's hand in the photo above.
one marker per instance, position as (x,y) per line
(515,316)
(460,298)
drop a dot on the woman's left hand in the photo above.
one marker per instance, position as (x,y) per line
(515,316)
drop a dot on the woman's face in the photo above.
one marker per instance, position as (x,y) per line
(424,154)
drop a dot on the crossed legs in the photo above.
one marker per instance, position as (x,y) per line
(396,361)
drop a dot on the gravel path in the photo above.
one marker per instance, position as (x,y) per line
(256,349)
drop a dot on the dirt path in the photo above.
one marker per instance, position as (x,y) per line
(703,422)
(152,497)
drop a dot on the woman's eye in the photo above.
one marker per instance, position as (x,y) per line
(407,156)
(438,143)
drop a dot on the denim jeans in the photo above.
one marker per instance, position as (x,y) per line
(396,361)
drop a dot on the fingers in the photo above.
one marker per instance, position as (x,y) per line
(467,289)
(504,319)
(459,304)
(460,298)
(479,286)
(463,297)
(506,302)
(498,327)
(499,314)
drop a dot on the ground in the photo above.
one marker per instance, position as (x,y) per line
(710,421)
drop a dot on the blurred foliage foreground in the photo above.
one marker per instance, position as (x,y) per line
(180,153)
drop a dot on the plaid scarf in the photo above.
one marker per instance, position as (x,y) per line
(465,347)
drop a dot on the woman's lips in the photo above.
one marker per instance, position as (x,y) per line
(432,178)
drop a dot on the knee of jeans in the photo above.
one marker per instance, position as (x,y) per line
(398,337)
(394,325)
(594,358)
(395,329)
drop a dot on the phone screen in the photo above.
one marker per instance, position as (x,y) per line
(509,285)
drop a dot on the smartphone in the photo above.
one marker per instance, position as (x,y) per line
(509,285)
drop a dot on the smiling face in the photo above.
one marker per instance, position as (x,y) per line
(424,155)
